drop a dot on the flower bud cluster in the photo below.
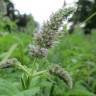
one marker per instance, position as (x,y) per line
(62,74)
(49,31)
(50,28)
(8,63)
(37,51)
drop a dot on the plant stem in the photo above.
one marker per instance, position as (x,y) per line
(52,89)
(39,73)
(23,68)
(90,17)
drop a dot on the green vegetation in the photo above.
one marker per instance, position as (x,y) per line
(75,53)
(64,67)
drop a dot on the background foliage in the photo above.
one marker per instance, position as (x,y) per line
(30,76)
